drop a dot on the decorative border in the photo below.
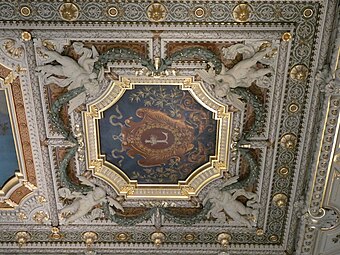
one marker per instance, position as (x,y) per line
(130,188)
(24,182)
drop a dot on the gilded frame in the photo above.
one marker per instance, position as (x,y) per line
(130,188)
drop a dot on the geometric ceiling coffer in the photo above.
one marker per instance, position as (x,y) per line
(157,138)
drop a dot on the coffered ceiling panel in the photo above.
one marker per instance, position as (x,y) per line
(170,127)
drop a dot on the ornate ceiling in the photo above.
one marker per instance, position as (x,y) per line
(170,127)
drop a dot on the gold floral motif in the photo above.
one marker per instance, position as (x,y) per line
(288,141)
(89,238)
(224,239)
(22,216)
(280,200)
(260,232)
(12,49)
(69,11)
(156,12)
(93,112)
(128,189)
(158,238)
(29,185)
(299,73)
(22,238)
(187,190)
(40,217)
(241,13)
(10,78)
(41,199)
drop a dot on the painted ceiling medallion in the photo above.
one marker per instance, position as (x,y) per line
(69,11)
(156,12)
(151,146)
(299,73)
(241,13)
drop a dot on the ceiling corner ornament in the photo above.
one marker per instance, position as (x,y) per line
(156,12)
(150,135)
(299,73)
(242,13)
(69,11)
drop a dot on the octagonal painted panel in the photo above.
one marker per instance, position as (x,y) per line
(166,134)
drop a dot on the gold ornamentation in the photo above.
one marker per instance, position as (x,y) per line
(56,235)
(40,217)
(128,189)
(41,199)
(22,238)
(49,45)
(69,11)
(308,13)
(299,73)
(280,200)
(25,11)
(286,36)
(96,164)
(273,238)
(112,12)
(122,237)
(124,84)
(89,238)
(93,112)
(241,13)
(224,239)
(199,12)
(288,141)
(12,49)
(26,36)
(220,165)
(283,171)
(187,190)
(156,12)
(259,232)
(22,216)
(189,237)
(10,78)
(10,202)
(293,108)
(158,238)
(29,185)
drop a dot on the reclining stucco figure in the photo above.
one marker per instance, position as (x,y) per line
(243,74)
(77,73)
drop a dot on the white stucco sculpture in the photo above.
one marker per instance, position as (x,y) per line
(223,202)
(243,74)
(72,73)
(83,204)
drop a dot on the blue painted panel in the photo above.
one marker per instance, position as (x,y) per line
(157,134)
(8,157)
